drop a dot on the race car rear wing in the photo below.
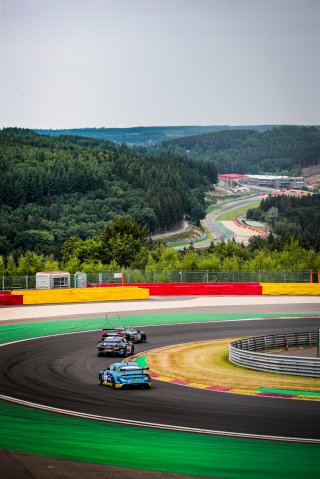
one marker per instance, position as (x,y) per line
(109,329)
(112,332)
(125,370)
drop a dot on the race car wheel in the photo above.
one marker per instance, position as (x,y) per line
(125,353)
(113,384)
(100,381)
(132,350)
(143,339)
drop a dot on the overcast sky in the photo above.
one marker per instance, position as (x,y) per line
(122,63)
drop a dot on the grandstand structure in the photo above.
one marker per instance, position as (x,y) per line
(277,182)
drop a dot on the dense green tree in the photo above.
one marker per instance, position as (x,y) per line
(291,216)
(2,266)
(282,150)
(271,215)
(11,268)
(29,264)
(53,188)
(122,241)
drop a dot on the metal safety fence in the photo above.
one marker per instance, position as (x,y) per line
(10,283)
(243,352)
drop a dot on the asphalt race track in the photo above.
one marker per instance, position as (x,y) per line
(62,372)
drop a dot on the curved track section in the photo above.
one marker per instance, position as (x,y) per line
(62,372)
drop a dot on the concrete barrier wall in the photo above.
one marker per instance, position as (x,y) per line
(82,295)
(198,289)
(8,299)
(295,289)
(113,292)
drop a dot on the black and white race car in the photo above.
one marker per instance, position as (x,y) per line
(115,345)
(129,332)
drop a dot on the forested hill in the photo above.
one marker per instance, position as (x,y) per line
(54,188)
(291,217)
(145,135)
(282,150)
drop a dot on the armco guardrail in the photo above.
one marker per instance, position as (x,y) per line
(243,352)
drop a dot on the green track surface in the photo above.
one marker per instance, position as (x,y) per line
(39,432)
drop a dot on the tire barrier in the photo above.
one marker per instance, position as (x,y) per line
(197,289)
(243,352)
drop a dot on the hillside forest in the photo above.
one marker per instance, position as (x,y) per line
(83,204)
(125,245)
(282,150)
(52,188)
(291,217)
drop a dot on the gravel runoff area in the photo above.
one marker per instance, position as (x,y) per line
(238,231)
(306,352)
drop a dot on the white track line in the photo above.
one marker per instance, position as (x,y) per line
(169,427)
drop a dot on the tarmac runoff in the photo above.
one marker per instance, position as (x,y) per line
(154,304)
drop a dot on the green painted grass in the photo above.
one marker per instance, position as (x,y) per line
(31,330)
(39,432)
(287,391)
(142,361)
(241,211)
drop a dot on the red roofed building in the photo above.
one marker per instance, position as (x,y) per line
(230,180)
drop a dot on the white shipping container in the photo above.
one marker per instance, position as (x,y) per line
(52,280)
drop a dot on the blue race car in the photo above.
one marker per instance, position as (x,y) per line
(122,374)
(115,345)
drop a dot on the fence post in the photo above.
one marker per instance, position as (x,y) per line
(27,282)
(311,275)
(318,275)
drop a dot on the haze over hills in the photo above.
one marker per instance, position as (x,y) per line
(280,150)
(146,135)
(243,149)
